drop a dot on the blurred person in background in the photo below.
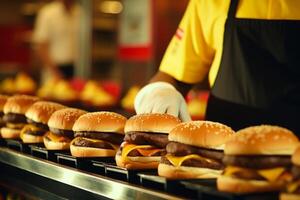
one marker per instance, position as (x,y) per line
(250,51)
(55,38)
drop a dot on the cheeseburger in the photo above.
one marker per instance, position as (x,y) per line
(37,117)
(3,99)
(195,150)
(60,125)
(14,115)
(257,159)
(98,134)
(146,136)
(293,189)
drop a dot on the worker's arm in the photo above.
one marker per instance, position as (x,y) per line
(163,94)
(42,51)
(182,87)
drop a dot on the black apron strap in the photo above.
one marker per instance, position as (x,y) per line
(232,9)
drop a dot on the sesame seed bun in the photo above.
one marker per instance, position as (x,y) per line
(42,110)
(207,134)
(289,196)
(65,118)
(262,140)
(296,156)
(10,133)
(53,145)
(19,104)
(185,172)
(151,122)
(138,162)
(100,122)
(3,99)
(236,185)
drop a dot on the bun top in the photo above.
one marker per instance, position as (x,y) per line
(19,104)
(262,140)
(296,156)
(100,122)
(3,99)
(207,134)
(42,110)
(65,118)
(151,122)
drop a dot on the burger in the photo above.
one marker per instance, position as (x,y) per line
(37,117)
(14,115)
(60,125)
(195,150)
(257,159)
(292,191)
(3,99)
(98,134)
(146,136)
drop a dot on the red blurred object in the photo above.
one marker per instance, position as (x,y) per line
(78,84)
(112,88)
(201,95)
(13,48)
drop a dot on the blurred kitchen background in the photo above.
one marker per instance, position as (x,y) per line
(122,43)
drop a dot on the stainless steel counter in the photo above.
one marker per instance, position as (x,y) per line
(91,183)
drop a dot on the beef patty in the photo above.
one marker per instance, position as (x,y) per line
(143,138)
(179,149)
(257,161)
(82,142)
(114,138)
(14,118)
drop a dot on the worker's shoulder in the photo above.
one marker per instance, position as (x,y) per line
(51,8)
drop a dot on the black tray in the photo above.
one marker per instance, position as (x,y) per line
(121,173)
(65,158)
(152,180)
(18,145)
(2,142)
(97,165)
(207,190)
(39,150)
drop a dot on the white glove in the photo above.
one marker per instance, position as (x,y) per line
(161,97)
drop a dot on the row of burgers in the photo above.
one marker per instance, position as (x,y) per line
(255,159)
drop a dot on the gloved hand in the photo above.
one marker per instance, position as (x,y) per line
(161,97)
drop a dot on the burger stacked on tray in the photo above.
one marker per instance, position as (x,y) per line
(146,136)
(14,115)
(3,99)
(257,159)
(195,150)
(37,117)
(60,125)
(292,191)
(98,134)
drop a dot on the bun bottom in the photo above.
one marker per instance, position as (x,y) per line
(129,164)
(235,185)
(10,133)
(27,138)
(288,196)
(51,145)
(78,151)
(184,172)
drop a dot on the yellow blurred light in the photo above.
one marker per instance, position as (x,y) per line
(111,7)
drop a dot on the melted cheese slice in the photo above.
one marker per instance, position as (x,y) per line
(56,138)
(95,140)
(292,187)
(269,174)
(15,126)
(130,147)
(28,127)
(148,152)
(177,161)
